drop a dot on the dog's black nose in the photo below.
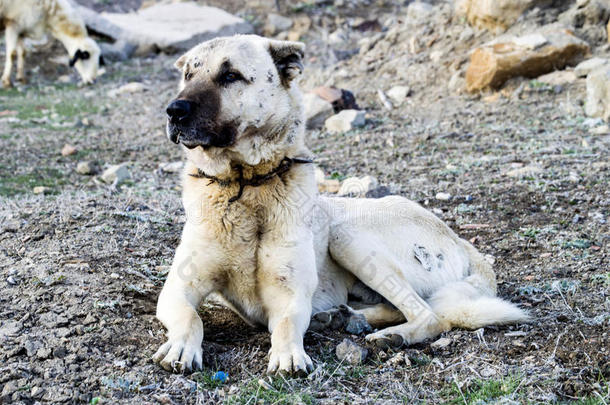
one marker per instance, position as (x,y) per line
(178,110)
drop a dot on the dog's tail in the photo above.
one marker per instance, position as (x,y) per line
(462,305)
(472,302)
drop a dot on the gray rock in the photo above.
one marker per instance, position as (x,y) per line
(398,94)
(31,347)
(37,392)
(171,167)
(357,186)
(317,110)
(97,23)
(598,93)
(86,168)
(357,324)
(41,190)
(9,388)
(593,12)
(524,171)
(116,174)
(43,353)
(441,196)
(119,51)
(440,343)
(176,26)
(418,10)
(51,320)
(344,121)
(132,87)
(277,23)
(349,352)
(587,66)
(10,329)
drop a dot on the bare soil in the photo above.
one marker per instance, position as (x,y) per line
(81,265)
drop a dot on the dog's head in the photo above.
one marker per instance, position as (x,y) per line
(237,101)
(87,60)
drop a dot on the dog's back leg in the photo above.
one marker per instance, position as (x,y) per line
(381,314)
(366,256)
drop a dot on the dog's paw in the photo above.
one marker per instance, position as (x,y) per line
(291,362)
(340,318)
(180,355)
(422,328)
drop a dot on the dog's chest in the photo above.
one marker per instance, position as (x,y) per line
(244,229)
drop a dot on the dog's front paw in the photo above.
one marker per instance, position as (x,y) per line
(180,354)
(290,361)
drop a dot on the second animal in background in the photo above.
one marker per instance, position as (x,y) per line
(32,19)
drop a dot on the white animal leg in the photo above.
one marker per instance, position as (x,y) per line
(366,256)
(177,310)
(20,60)
(11,37)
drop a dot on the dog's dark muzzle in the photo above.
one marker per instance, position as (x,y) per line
(188,126)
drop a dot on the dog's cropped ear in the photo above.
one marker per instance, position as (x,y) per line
(288,58)
(181,62)
(84,55)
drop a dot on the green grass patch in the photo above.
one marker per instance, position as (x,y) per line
(278,392)
(480,391)
(11,184)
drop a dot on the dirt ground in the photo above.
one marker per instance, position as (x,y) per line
(82,264)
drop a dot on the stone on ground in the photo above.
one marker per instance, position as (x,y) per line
(598,93)
(418,10)
(440,343)
(132,87)
(524,171)
(115,174)
(98,23)
(344,121)
(176,26)
(398,94)
(41,190)
(276,23)
(68,150)
(349,352)
(317,110)
(86,168)
(171,167)
(494,15)
(587,66)
(493,64)
(558,78)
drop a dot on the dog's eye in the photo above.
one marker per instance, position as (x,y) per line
(230,77)
(188,76)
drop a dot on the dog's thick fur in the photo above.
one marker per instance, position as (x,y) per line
(280,253)
(33,18)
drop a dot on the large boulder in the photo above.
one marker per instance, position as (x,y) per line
(176,26)
(97,23)
(530,56)
(494,15)
(598,93)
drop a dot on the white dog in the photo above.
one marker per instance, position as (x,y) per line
(259,236)
(33,18)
